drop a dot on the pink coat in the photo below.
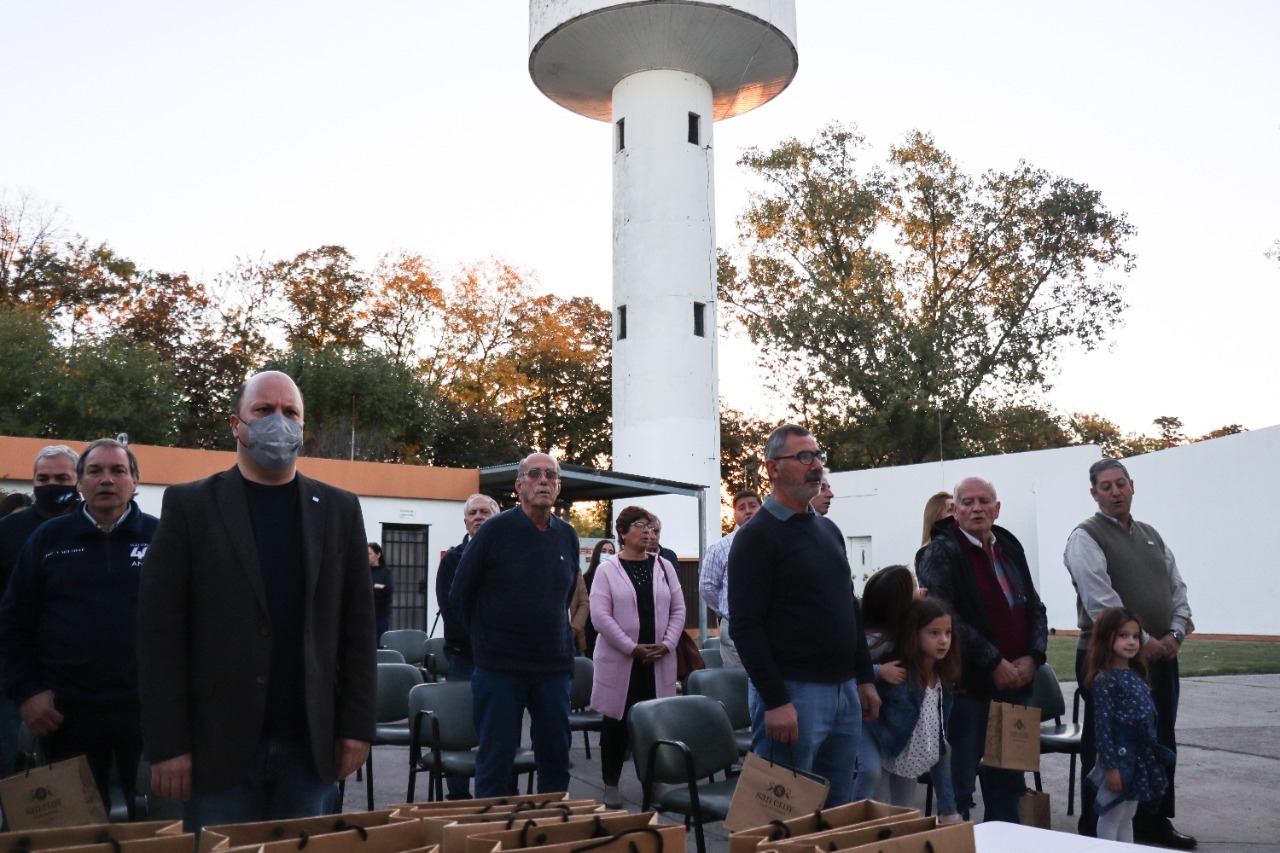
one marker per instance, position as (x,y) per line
(614,615)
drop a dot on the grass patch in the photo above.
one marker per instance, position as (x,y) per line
(1198,657)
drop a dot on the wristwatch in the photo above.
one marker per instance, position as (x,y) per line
(1177,635)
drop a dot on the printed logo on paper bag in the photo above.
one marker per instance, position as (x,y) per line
(776,796)
(43,799)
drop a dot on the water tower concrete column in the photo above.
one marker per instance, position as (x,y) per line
(665,391)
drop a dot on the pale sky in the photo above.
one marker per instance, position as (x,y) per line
(187,134)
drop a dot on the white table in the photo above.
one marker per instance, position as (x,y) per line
(998,837)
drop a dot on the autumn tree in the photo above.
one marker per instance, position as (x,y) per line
(911,299)
(323,289)
(403,307)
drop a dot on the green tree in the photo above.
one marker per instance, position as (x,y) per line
(27,358)
(911,299)
(394,417)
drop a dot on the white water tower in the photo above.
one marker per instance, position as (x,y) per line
(662,71)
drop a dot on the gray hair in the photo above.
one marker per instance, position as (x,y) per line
(1105,464)
(778,439)
(976,481)
(493,505)
(55,450)
(107,442)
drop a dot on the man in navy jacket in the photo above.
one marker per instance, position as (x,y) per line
(513,589)
(68,621)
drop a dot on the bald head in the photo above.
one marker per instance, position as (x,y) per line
(272,378)
(269,458)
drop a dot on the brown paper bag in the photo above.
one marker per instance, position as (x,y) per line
(1013,738)
(659,838)
(537,833)
(154,844)
(433,826)
(762,839)
(1033,810)
(454,838)
(953,838)
(770,791)
(227,836)
(61,794)
(855,836)
(396,837)
(50,839)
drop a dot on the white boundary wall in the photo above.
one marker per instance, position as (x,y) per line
(1201,497)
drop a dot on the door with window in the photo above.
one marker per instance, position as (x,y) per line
(404,551)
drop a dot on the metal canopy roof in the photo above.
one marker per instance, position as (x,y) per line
(580,483)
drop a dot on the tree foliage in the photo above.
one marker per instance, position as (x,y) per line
(909,301)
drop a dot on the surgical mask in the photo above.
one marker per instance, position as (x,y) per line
(274,441)
(53,498)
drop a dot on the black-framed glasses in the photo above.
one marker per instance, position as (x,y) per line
(806,457)
(550,475)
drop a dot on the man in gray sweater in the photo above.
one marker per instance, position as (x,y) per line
(1116,561)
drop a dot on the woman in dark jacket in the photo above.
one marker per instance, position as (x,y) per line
(382,592)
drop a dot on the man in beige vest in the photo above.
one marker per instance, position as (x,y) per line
(1116,561)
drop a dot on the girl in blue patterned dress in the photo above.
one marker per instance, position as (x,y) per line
(1128,768)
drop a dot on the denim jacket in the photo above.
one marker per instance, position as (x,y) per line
(899,711)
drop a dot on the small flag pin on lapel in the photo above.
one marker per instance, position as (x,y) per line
(315,499)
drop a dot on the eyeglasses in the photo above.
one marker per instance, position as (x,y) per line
(550,475)
(642,525)
(806,457)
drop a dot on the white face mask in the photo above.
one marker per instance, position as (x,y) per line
(274,441)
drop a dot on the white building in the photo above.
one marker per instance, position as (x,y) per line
(1211,501)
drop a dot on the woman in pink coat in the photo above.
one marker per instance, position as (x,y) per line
(638,609)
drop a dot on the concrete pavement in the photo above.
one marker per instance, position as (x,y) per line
(1228,769)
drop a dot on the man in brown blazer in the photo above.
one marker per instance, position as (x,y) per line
(257,671)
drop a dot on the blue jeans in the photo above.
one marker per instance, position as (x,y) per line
(281,784)
(967,732)
(867,782)
(458,669)
(500,700)
(830,722)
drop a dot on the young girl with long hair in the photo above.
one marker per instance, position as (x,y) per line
(1128,768)
(911,729)
(886,599)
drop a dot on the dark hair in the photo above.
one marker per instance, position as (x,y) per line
(778,439)
(918,617)
(630,516)
(886,599)
(377,549)
(596,557)
(745,493)
(1105,628)
(15,501)
(1105,464)
(106,442)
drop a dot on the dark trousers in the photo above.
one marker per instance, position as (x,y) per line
(499,702)
(613,733)
(967,732)
(1153,815)
(103,732)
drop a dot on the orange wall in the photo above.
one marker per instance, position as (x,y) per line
(163,466)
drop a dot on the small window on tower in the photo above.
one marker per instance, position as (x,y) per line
(694,135)
(622,322)
(622,133)
(700,319)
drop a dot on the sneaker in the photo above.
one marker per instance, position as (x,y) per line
(612,797)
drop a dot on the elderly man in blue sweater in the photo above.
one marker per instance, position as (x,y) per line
(513,589)
(796,625)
